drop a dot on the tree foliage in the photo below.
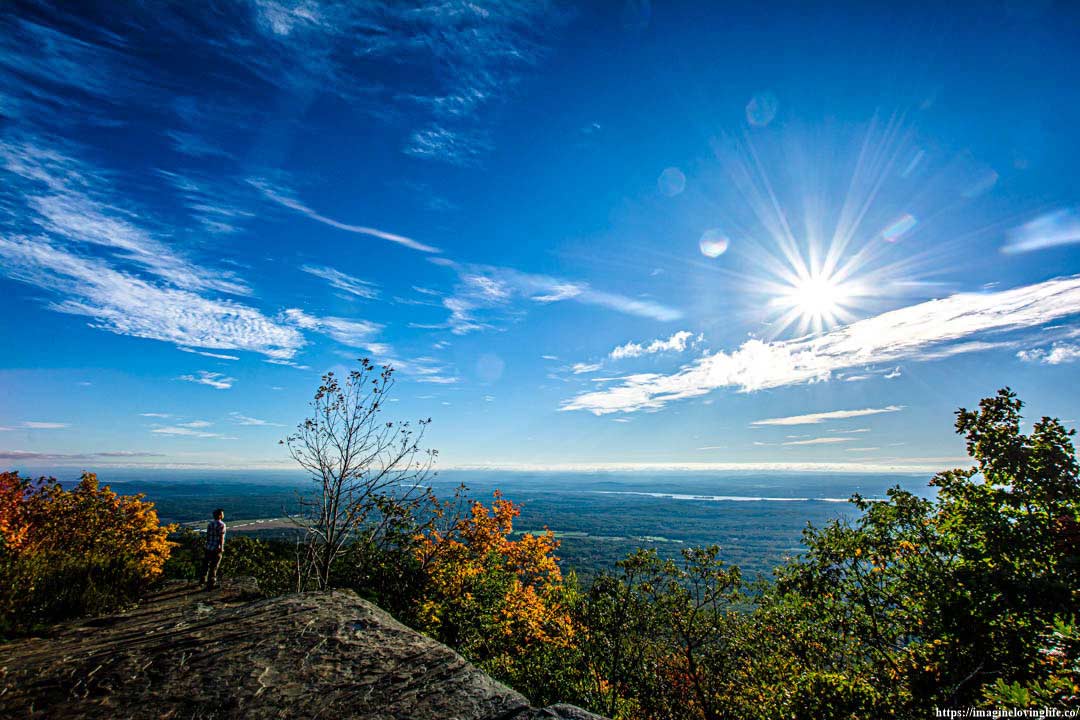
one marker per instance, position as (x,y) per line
(491,596)
(966,597)
(71,552)
(358,463)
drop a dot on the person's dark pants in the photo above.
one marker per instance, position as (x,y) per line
(210,567)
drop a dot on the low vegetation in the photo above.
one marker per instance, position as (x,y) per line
(65,553)
(965,599)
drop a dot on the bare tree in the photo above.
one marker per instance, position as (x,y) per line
(358,462)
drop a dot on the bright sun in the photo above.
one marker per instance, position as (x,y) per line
(815,302)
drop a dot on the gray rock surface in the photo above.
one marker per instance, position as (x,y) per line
(189,654)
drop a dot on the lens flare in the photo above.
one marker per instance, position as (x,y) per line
(713,243)
(671,182)
(899,228)
(761,110)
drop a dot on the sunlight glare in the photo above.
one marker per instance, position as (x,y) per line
(815,301)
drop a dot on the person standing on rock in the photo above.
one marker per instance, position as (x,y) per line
(215,546)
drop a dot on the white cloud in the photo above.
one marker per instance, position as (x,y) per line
(250,421)
(934,329)
(213,379)
(128,305)
(900,466)
(141,287)
(196,424)
(819,441)
(343,282)
(35,425)
(581,368)
(425,370)
(281,197)
(354,333)
(457,147)
(1058,354)
(154,415)
(678,342)
(219,356)
(180,431)
(68,199)
(1061,227)
(818,418)
(486,293)
(29,455)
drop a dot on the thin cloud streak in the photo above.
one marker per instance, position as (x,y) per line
(341,281)
(215,380)
(486,294)
(793,466)
(1061,227)
(294,204)
(29,455)
(930,329)
(818,418)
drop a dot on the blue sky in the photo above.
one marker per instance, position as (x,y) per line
(760,235)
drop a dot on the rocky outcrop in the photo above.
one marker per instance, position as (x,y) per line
(188,654)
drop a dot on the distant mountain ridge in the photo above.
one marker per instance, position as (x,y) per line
(191,654)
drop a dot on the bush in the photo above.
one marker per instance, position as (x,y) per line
(68,553)
(272,563)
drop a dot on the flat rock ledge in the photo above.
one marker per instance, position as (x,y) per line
(191,654)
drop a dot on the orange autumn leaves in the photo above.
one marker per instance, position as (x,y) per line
(486,588)
(86,521)
(52,538)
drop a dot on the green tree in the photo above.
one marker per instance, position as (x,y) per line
(926,603)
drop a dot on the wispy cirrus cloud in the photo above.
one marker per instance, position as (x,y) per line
(1061,227)
(216,380)
(181,431)
(216,356)
(128,305)
(281,197)
(354,333)
(486,294)
(32,456)
(341,281)
(69,200)
(64,235)
(821,417)
(934,329)
(252,422)
(452,63)
(819,441)
(583,368)
(38,425)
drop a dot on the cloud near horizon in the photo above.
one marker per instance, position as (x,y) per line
(933,329)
